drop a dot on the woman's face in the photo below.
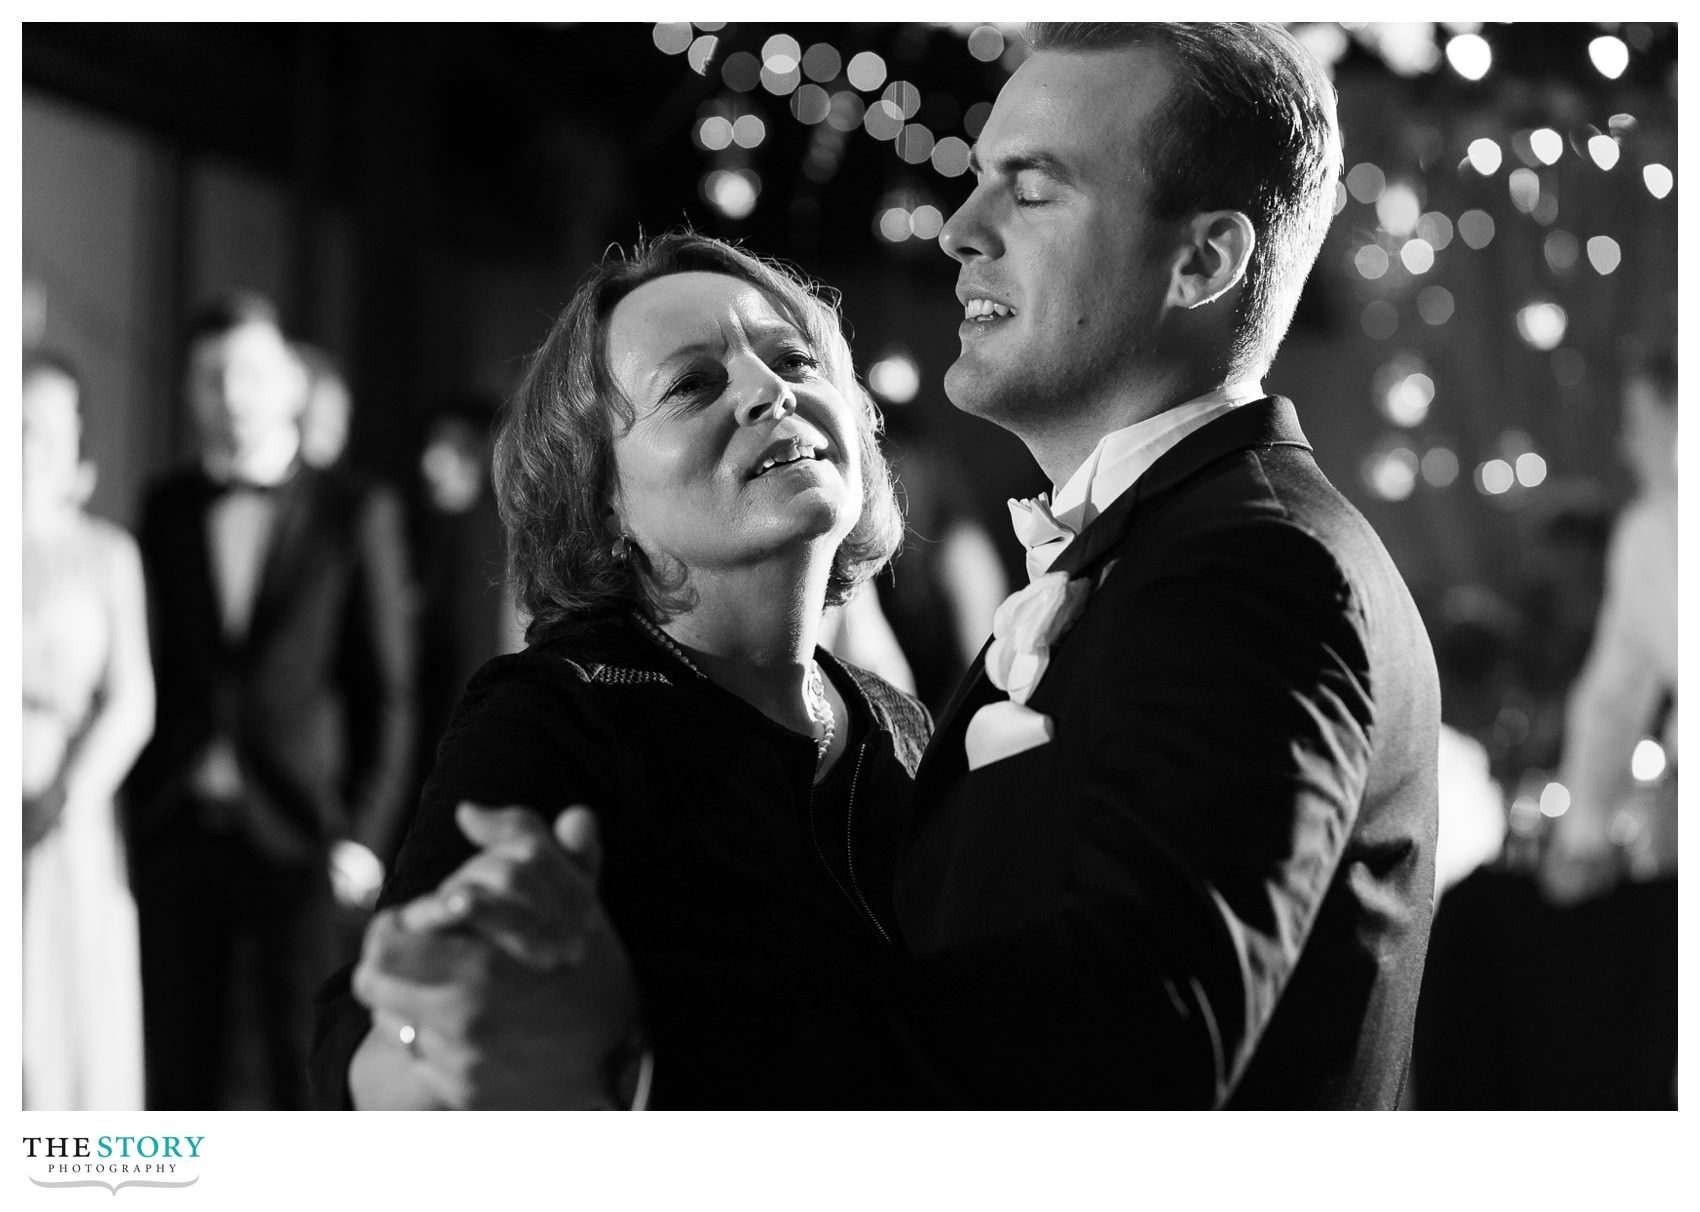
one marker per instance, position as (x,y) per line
(741,447)
(50,439)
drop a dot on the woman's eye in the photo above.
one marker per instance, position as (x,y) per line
(797,362)
(687,387)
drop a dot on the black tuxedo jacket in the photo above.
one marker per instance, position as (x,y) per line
(1213,886)
(317,698)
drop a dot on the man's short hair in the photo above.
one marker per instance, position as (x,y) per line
(1249,126)
(230,311)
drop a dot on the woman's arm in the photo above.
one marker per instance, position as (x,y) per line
(125,705)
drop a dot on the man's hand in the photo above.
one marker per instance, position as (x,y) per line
(512,986)
(356,874)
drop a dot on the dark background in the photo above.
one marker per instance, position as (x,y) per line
(420,199)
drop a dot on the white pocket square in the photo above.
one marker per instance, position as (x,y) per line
(1004,729)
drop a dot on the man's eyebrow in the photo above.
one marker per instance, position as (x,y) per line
(1022,161)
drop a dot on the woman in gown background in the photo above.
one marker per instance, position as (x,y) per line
(88,709)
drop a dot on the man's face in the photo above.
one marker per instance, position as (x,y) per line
(244,386)
(1064,273)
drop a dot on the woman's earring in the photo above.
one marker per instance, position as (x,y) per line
(622,549)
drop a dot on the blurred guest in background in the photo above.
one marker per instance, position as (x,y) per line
(467,613)
(943,588)
(277,589)
(327,409)
(1474,635)
(1627,689)
(88,709)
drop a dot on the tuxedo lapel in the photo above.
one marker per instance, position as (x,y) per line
(1266,422)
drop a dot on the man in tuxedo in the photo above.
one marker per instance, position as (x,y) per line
(279,607)
(1173,839)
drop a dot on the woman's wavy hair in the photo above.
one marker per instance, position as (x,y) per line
(554,453)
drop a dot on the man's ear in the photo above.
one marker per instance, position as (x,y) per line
(1214,260)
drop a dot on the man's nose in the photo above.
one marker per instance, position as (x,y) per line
(760,391)
(968,234)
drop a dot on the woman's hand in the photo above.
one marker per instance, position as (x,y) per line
(511,986)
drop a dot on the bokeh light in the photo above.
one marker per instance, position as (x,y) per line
(781,54)
(1476,228)
(1418,256)
(733,192)
(926,222)
(950,156)
(882,121)
(1436,228)
(781,82)
(846,114)
(1548,145)
(1561,250)
(672,37)
(893,224)
(905,96)
(974,121)
(1485,156)
(1555,800)
(741,71)
(1470,56)
(748,131)
(1524,185)
(1440,467)
(1380,319)
(866,71)
(895,378)
(1366,182)
(1398,209)
(1604,254)
(1495,477)
(1542,324)
(822,63)
(1659,179)
(1610,56)
(1531,469)
(1392,474)
(700,54)
(1568,367)
(986,43)
(1371,261)
(914,144)
(811,104)
(1648,761)
(1435,305)
(1604,151)
(714,133)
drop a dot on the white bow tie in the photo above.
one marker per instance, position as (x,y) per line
(1040,532)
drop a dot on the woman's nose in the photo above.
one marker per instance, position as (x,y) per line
(968,235)
(760,391)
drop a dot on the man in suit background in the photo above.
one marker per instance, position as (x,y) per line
(1173,841)
(278,604)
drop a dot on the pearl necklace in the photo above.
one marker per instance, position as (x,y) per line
(819,705)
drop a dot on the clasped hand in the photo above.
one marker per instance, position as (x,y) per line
(514,986)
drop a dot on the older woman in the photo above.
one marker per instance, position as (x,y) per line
(689,476)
